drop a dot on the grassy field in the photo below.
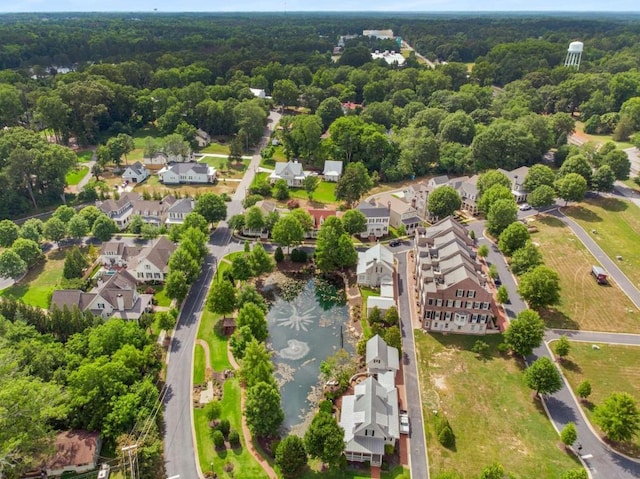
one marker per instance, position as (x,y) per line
(324,194)
(74,176)
(218,148)
(584,303)
(493,414)
(350,474)
(199,365)
(617,225)
(609,369)
(244,465)
(599,139)
(236,171)
(35,288)
(153,184)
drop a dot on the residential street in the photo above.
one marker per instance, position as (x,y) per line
(179,440)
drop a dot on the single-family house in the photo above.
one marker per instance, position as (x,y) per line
(146,263)
(453,293)
(375,266)
(401,213)
(135,173)
(517,177)
(168,210)
(265,207)
(76,451)
(152,211)
(377,219)
(179,210)
(159,158)
(319,216)
(191,172)
(115,296)
(202,138)
(332,170)
(116,254)
(291,171)
(119,210)
(370,416)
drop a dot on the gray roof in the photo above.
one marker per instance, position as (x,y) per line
(71,298)
(185,205)
(332,168)
(138,168)
(110,205)
(292,167)
(388,355)
(440,180)
(372,210)
(374,254)
(182,168)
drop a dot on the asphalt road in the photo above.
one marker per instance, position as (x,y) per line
(418,453)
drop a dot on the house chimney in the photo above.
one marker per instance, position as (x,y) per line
(389,205)
(120,301)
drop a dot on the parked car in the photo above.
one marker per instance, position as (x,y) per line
(395,242)
(525,207)
(497,281)
(405,426)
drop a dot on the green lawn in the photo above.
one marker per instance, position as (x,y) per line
(324,194)
(612,368)
(74,176)
(599,139)
(199,365)
(584,304)
(365,293)
(84,156)
(617,225)
(36,287)
(161,296)
(493,414)
(236,171)
(260,177)
(219,148)
(217,344)
(244,465)
(352,474)
(149,130)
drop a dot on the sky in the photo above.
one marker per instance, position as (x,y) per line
(306,5)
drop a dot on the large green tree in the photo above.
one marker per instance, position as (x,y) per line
(514,237)
(11,264)
(354,221)
(291,456)
(253,316)
(501,214)
(212,207)
(263,410)
(353,183)
(9,232)
(222,298)
(444,201)
(288,232)
(543,376)
(618,416)
(540,287)
(525,332)
(324,439)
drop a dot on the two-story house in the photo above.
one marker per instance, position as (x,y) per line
(517,177)
(401,213)
(453,293)
(179,210)
(191,172)
(332,170)
(119,210)
(146,263)
(376,270)
(319,215)
(377,219)
(202,138)
(291,171)
(370,416)
(135,173)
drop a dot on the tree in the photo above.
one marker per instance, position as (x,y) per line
(281,190)
(603,179)
(562,347)
(525,258)
(354,221)
(483,251)
(571,187)
(249,294)
(166,320)
(443,202)
(11,265)
(584,390)
(240,268)
(329,110)
(540,287)
(195,220)
(501,214)
(618,416)
(236,222)
(278,255)
(525,333)
(28,250)
(502,295)
(259,260)
(183,260)
(568,435)
(239,340)
(577,164)
(334,248)
(490,178)
(9,232)
(222,298)
(353,183)
(64,212)
(263,410)
(74,263)
(176,286)
(103,228)
(311,184)
(256,364)
(619,163)
(542,196)
(324,439)
(77,227)
(393,337)
(480,347)
(494,471)
(212,410)
(91,214)
(457,127)
(212,207)
(32,230)
(291,456)
(543,376)
(514,237)
(288,232)
(253,316)
(539,175)
(54,229)
(493,194)
(304,218)
(285,92)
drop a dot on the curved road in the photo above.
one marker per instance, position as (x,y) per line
(179,442)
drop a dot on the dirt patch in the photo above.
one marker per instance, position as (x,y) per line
(439,383)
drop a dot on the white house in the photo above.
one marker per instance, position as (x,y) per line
(136,173)
(375,266)
(146,263)
(377,219)
(401,213)
(332,170)
(179,210)
(76,451)
(191,172)
(291,171)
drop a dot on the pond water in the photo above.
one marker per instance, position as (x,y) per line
(303,331)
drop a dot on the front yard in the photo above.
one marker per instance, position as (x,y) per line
(584,303)
(612,368)
(235,171)
(492,412)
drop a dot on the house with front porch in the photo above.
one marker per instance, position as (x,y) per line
(291,172)
(401,213)
(377,219)
(319,215)
(187,173)
(375,266)
(332,170)
(135,173)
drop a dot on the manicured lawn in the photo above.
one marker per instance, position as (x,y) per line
(599,139)
(617,225)
(493,414)
(139,136)
(612,368)
(244,465)
(351,474)
(161,296)
(325,193)
(584,303)
(236,171)
(260,177)
(217,344)
(199,365)
(220,148)
(74,176)
(365,293)
(84,156)
(36,287)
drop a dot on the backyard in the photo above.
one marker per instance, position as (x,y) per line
(152,184)
(325,193)
(611,368)
(75,175)
(36,287)
(477,395)
(225,168)
(584,304)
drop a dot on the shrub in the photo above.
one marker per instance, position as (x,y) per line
(444,432)
(278,255)
(326,406)
(218,439)
(293,204)
(234,438)
(389,449)
(298,256)
(251,200)
(212,410)
(224,427)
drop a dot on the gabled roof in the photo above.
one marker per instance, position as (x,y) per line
(373,210)
(74,448)
(266,206)
(183,168)
(319,215)
(160,252)
(71,298)
(137,168)
(332,168)
(439,180)
(110,205)
(377,348)
(292,168)
(184,205)
(375,254)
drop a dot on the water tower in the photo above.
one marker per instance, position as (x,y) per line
(574,54)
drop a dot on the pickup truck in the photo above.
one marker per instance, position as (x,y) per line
(405,426)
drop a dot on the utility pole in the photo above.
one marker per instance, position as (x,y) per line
(132,453)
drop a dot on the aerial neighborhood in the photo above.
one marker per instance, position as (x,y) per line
(285,246)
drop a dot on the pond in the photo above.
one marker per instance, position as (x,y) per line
(304,329)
